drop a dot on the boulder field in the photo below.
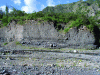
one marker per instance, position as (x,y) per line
(46,32)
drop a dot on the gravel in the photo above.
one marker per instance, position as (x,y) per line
(47,70)
(49,63)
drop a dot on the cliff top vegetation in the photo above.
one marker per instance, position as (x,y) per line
(78,13)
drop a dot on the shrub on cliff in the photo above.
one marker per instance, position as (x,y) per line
(18,43)
(82,20)
(4,21)
(5,43)
(1,16)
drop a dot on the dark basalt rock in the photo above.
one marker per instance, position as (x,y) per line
(5,72)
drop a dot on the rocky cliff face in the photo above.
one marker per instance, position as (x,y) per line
(36,30)
(33,30)
(81,37)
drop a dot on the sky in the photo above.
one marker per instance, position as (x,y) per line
(30,6)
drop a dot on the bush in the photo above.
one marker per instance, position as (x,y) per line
(18,43)
(66,30)
(18,17)
(9,19)
(21,22)
(29,17)
(91,27)
(1,16)
(5,24)
(5,43)
(5,20)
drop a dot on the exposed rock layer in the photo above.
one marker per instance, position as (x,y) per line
(33,30)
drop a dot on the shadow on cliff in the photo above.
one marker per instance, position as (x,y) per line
(96,31)
(57,26)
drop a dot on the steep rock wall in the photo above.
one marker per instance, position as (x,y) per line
(11,32)
(33,30)
(36,30)
(80,38)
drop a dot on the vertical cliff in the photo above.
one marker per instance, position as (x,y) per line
(45,31)
(80,38)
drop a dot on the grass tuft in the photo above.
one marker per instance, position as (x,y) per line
(5,43)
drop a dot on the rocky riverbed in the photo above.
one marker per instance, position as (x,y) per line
(50,62)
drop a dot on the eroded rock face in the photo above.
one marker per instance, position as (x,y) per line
(80,38)
(35,31)
(11,32)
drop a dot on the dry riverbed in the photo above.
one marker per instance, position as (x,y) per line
(50,62)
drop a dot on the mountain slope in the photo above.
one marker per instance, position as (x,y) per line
(76,7)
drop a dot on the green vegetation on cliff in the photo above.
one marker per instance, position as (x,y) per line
(77,13)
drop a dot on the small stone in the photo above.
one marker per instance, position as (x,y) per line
(30,58)
(54,45)
(80,55)
(6,74)
(79,63)
(75,51)
(29,67)
(54,65)
(3,71)
(97,70)
(24,65)
(14,70)
(2,53)
(51,45)
(8,58)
